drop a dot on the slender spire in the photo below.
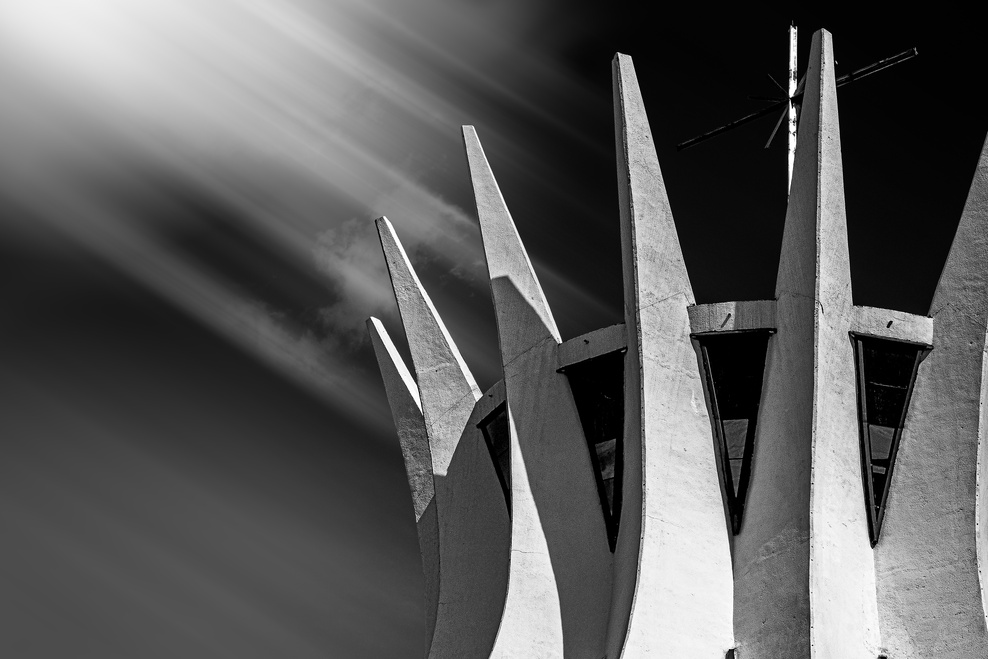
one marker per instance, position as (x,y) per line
(672,591)
(403,396)
(507,261)
(444,381)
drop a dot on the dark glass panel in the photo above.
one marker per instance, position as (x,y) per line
(598,391)
(886,372)
(497,436)
(734,364)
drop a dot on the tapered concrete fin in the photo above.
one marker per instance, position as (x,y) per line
(931,592)
(643,194)
(968,258)
(507,261)
(559,554)
(805,570)
(672,593)
(403,396)
(447,389)
(816,208)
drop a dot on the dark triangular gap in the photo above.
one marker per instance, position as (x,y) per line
(734,363)
(886,372)
(598,391)
(497,436)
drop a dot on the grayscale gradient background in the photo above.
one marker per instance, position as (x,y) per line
(196,455)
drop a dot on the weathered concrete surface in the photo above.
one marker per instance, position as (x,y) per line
(931,554)
(593,344)
(672,578)
(559,583)
(732,316)
(403,397)
(888,324)
(804,570)
(446,386)
(471,516)
(487,403)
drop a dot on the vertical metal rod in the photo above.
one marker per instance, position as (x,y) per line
(792,108)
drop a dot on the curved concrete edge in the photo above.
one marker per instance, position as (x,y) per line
(470,513)
(447,389)
(531,625)
(889,324)
(738,316)
(805,581)
(403,397)
(506,257)
(560,561)
(489,402)
(672,590)
(474,545)
(931,592)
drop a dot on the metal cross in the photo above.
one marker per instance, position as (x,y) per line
(792,99)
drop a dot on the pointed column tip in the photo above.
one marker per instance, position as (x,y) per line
(469,134)
(391,364)
(622,63)
(436,359)
(507,260)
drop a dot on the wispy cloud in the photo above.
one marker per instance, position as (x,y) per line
(306,120)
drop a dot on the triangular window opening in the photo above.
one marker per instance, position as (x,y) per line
(598,391)
(886,372)
(497,437)
(734,363)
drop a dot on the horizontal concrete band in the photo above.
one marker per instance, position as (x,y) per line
(736,316)
(579,349)
(592,344)
(896,325)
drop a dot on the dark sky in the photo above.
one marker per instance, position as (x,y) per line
(198,460)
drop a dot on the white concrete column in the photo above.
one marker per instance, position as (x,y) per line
(672,577)
(471,516)
(559,584)
(804,569)
(403,397)
(932,552)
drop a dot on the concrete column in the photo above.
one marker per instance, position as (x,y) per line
(804,569)
(932,550)
(559,583)
(472,520)
(672,576)
(403,396)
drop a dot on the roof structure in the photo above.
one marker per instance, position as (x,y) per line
(794,477)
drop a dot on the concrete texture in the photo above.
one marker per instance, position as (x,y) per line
(559,582)
(801,579)
(593,344)
(489,402)
(672,589)
(804,572)
(403,397)
(931,555)
(896,325)
(732,316)
(471,517)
